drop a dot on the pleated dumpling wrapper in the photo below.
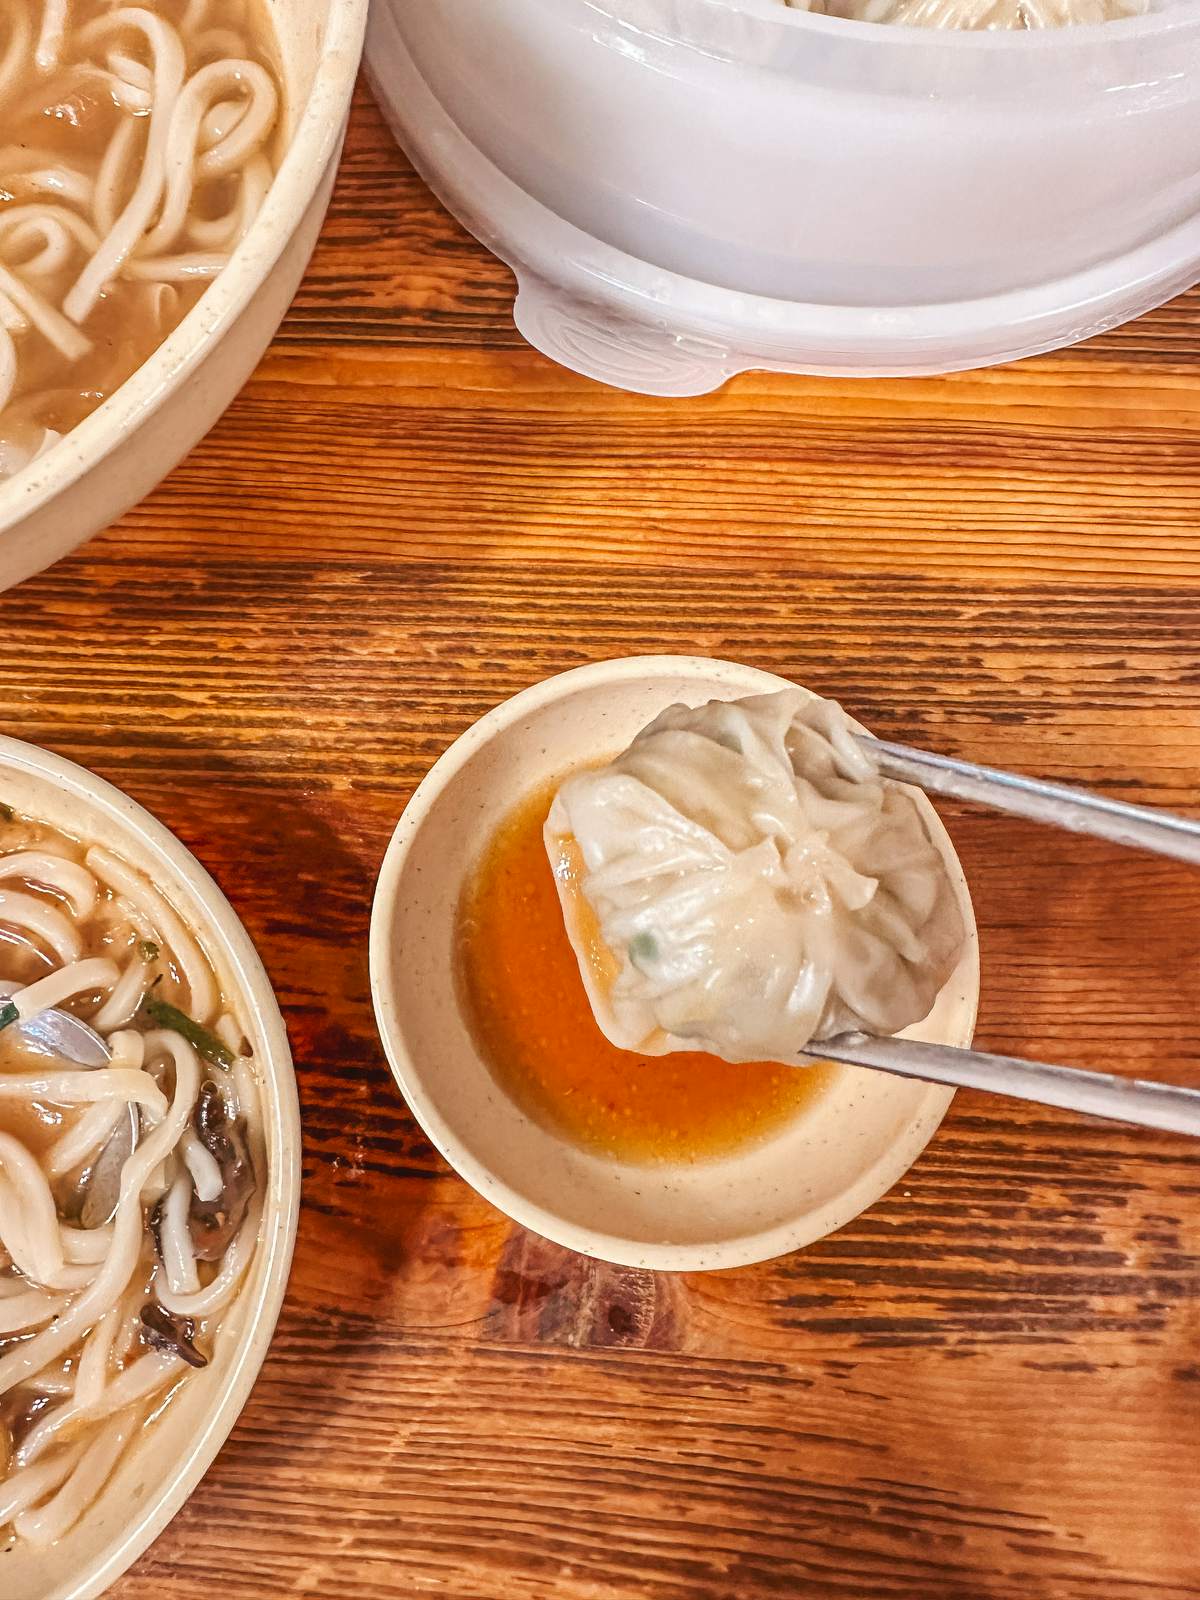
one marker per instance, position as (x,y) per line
(741,880)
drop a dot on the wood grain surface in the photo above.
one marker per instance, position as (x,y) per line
(988,1387)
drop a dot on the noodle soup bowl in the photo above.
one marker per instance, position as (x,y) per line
(115,456)
(168,1458)
(840,1152)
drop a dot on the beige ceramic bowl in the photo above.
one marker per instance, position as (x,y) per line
(835,1159)
(168,1461)
(124,448)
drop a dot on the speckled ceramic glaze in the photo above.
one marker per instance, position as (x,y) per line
(832,1161)
(168,1460)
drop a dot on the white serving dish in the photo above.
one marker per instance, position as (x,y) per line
(118,454)
(167,1461)
(837,1157)
(689,188)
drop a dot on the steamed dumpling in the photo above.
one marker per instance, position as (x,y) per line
(978,14)
(751,884)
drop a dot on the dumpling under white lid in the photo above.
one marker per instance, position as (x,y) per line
(751,884)
(977,14)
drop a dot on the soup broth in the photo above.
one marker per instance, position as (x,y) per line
(137,144)
(131,1168)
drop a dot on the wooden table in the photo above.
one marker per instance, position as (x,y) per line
(987,1388)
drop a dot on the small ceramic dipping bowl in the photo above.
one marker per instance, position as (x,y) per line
(166,1462)
(841,1152)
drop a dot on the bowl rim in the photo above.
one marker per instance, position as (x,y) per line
(281,1213)
(745,1250)
(317,135)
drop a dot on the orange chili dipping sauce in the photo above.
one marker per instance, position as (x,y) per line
(534,1026)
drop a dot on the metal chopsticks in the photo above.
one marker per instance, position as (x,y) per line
(1097,1094)
(1061,805)
(1100,1094)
